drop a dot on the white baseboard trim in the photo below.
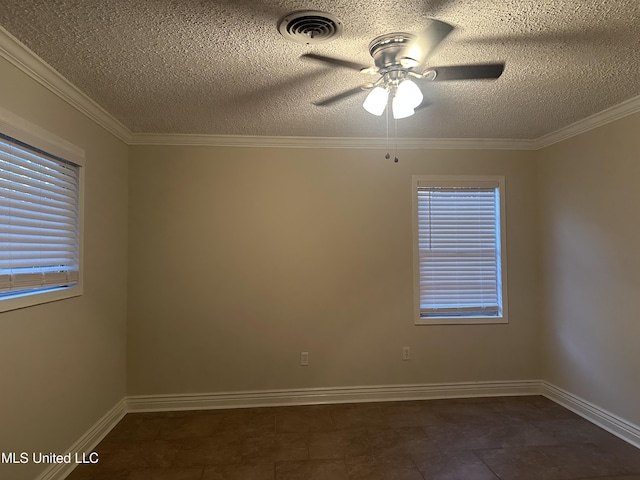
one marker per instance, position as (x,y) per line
(612,423)
(87,442)
(315,396)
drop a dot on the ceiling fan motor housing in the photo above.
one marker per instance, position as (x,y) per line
(387,50)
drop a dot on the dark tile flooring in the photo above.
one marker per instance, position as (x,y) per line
(507,438)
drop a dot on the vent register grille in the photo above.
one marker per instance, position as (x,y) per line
(310,27)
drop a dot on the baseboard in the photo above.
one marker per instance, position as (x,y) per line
(87,442)
(315,396)
(612,423)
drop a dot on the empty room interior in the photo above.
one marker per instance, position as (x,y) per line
(319,240)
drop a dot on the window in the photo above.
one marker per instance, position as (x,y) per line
(40,247)
(459,250)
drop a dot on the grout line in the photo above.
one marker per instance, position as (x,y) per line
(485,463)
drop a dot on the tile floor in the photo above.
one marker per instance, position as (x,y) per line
(507,438)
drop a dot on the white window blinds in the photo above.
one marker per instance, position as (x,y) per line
(39,234)
(459,250)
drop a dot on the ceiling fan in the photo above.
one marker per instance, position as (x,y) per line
(398,59)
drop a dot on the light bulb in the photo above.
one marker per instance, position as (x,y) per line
(409,94)
(376,101)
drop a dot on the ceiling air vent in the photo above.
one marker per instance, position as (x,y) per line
(310,27)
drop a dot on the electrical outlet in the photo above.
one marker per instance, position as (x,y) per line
(406,353)
(304,358)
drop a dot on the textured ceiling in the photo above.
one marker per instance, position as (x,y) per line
(221,67)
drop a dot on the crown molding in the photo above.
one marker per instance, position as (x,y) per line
(609,115)
(330,142)
(29,63)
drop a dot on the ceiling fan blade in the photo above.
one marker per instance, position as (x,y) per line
(425,42)
(571,36)
(343,95)
(466,72)
(425,103)
(335,61)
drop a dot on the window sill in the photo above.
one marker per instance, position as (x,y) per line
(461,321)
(36,298)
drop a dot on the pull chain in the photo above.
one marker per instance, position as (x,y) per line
(387,156)
(395,129)
(395,153)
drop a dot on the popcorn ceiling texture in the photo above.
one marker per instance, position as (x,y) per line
(221,67)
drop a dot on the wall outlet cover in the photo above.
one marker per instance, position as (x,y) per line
(406,353)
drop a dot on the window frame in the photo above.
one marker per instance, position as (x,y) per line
(30,134)
(459,180)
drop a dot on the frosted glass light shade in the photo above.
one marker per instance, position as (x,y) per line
(376,101)
(409,94)
(401,109)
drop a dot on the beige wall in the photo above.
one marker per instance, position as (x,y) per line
(590,228)
(241,258)
(62,364)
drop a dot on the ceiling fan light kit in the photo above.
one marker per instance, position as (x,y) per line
(405,94)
